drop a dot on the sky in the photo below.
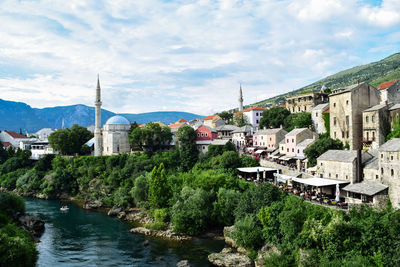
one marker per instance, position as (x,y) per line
(184,55)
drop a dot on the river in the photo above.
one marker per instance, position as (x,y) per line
(80,237)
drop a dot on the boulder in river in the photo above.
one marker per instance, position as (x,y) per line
(92,204)
(230,260)
(32,224)
(184,263)
(114,211)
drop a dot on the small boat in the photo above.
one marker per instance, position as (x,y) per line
(64,208)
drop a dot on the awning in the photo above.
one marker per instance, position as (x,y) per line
(250,148)
(283,178)
(319,182)
(255,169)
(259,151)
(368,188)
(285,158)
(299,157)
(274,157)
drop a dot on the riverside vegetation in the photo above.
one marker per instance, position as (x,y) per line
(197,193)
(17,247)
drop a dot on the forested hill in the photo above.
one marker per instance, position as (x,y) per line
(374,73)
(15,116)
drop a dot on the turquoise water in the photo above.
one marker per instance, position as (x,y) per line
(85,238)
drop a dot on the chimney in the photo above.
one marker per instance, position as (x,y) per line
(359,173)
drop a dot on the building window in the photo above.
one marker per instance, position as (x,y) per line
(373,136)
(347,134)
(391,157)
(329,175)
(287,149)
(298,151)
(321,163)
(292,149)
(316,114)
(392,172)
(256,121)
(373,118)
(198,134)
(270,139)
(206,134)
(202,134)
(282,148)
(334,105)
(382,156)
(367,119)
(334,134)
(381,170)
(292,140)
(334,121)
(342,134)
(204,147)
(347,120)
(287,140)
(256,114)
(376,176)
(337,175)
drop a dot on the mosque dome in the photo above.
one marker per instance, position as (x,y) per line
(117,120)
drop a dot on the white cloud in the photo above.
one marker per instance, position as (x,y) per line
(154,55)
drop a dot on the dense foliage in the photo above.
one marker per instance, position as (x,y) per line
(319,147)
(150,137)
(274,117)
(226,116)
(297,120)
(71,141)
(16,245)
(240,120)
(395,132)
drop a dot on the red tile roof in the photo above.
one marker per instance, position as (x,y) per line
(283,105)
(210,117)
(6,144)
(181,120)
(237,113)
(176,125)
(254,108)
(386,85)
(326,111)
(15,134)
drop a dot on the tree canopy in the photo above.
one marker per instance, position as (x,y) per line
(274,117)
(319,147)
(70,141)
(241,120)
(226,116)
(299,120)
(187,147)
(151,137)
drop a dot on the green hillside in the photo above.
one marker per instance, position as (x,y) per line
(374,73)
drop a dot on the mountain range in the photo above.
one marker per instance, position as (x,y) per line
(374,73)
(16,116)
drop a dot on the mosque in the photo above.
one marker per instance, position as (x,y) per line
(113,138)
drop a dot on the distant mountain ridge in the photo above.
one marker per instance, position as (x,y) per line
(15,116)
(374,73)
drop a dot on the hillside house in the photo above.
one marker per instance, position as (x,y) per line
(317,117)
(389,92)
(346,106)
(305,102)
(13,138)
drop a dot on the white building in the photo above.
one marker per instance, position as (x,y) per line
(252,115)
(44,133)
(41,148)
(115,135)
(317,117)
(13,138)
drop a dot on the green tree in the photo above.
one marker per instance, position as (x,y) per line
(187,147)
(11,204)
(395,132)
(224,207)
(191,214)
(140,190)
(241,120)
(151,137)
(159,191)
(319,147)
(247,233)
(298,120)
(273,117)
(226,116)
(70,141)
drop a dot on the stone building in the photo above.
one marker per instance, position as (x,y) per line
(394,113)
(305,102)
(376,125)
(225,131)
(317,117)
(115,135)
(346,106)
(389,92)
(241,136)
(341,165)
(389,168)
(213,121)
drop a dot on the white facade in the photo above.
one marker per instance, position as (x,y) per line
(254,116)
(40,149)
(44,133)
(115,136)
(12,137)
(317,119)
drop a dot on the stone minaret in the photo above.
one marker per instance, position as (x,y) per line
(240,99)
(98,144)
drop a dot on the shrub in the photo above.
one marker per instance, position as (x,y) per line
(224,207)
(11,204)
(247,233)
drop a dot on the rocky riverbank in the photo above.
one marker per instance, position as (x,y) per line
(33,225)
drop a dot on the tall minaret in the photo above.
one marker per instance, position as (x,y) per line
(240,99)
(98,142)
